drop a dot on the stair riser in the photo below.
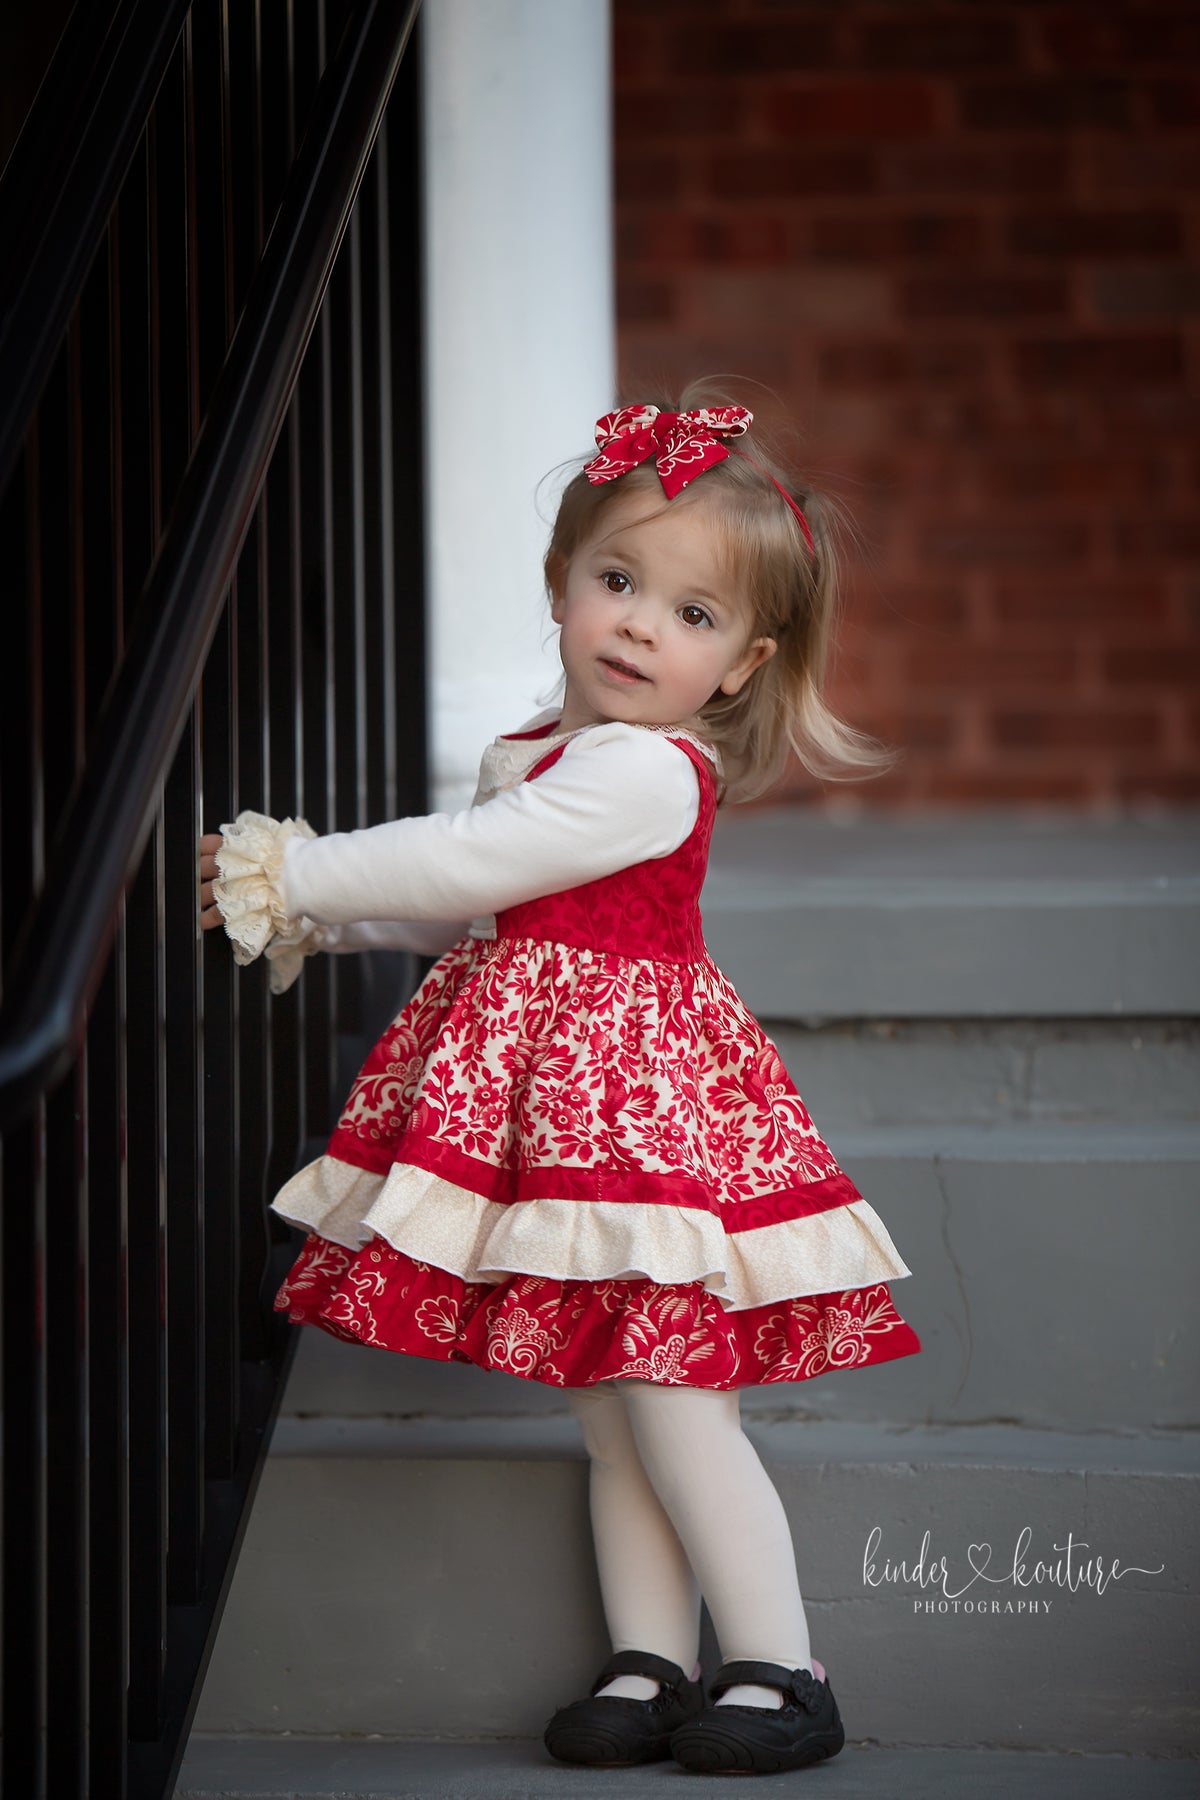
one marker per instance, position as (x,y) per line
(1055,1294)
(458,1599)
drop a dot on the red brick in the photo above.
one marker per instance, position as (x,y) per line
(641,300)
(761,240)
(1167,293)
(983,297)
(992,540)
(659,358)
(1137,165)
(889,237)
(937,41)
(910,727)
(866,362)
(1158,539)
(1170,787)
(634,50)
(942,418)
(639,173)
(1085,361)
(786,299)
(1033,104)
(979,668)
(986,787)
(730,50)
(1064,474)
(898,606)
(663,237)
(744,175)
(1066,231)
(659,236)
(854,109)
(1176,103)
(1098,40)
(647,114)
(1055,604)
(1076,728)
(1166,665)
(984,169)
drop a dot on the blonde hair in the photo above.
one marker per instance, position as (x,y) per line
(789,593)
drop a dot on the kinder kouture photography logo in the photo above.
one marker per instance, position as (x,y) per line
(1026,1580)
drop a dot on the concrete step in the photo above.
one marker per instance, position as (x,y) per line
(1052,1286)
(389,1570)
(978,914)
(943,1072)
(322,1768)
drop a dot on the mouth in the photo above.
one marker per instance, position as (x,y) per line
(622,670)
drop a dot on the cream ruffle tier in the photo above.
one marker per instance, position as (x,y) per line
(435,1221)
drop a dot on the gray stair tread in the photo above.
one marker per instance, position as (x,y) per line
(985,914)
(920,850)
(845,1443)
(322,1768)
(1029,1140)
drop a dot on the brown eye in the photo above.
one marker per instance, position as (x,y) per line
(615,581)
(694,615)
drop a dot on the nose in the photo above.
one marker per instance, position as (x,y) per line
(638,623)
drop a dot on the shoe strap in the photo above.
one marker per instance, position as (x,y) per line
(795,1684)
(641,1662)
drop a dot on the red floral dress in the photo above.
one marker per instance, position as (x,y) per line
(575,1157)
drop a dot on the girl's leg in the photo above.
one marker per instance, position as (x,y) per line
(729,1519)
(651,1597)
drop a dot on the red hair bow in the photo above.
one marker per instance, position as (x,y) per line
(683,445)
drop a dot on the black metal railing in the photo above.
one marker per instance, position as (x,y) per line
(210,556)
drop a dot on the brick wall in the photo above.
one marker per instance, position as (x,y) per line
(961,243)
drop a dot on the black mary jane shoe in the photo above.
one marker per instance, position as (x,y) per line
(613,1733)
(762,1740)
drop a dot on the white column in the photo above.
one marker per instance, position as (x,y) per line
(519,342)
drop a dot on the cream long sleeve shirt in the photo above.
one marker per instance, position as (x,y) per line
(618,795)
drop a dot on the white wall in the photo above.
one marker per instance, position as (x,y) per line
(519,349)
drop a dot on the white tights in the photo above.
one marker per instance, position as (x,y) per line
(681,1505)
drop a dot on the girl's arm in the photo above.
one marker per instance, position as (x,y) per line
(617,795)
(250,911)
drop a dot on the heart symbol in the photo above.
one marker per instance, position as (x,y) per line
(971,1550)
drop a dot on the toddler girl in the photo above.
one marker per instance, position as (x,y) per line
(575,1156)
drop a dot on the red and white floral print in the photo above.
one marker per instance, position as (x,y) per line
(574,1333)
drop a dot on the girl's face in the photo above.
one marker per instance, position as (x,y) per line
(651,626)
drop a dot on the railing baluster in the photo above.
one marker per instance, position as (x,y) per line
(108,1488)
(385,757)
(66,1436)
(23,1215)
(147,1345)
(142,1364)
(221,1103)
(66,1161)
(184,1098)
(25,1464)
(399,142)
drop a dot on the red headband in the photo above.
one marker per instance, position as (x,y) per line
(683,445)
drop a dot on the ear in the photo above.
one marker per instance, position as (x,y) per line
(556,581)
(753,657)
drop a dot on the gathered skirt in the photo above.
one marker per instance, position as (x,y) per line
(577,1166)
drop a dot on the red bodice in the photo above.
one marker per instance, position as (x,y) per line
(651,909)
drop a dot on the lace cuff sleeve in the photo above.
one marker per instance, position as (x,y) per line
(248,892)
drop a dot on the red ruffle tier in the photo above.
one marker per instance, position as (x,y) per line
(574,1333)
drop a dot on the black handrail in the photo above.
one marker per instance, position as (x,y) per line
(60,955)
